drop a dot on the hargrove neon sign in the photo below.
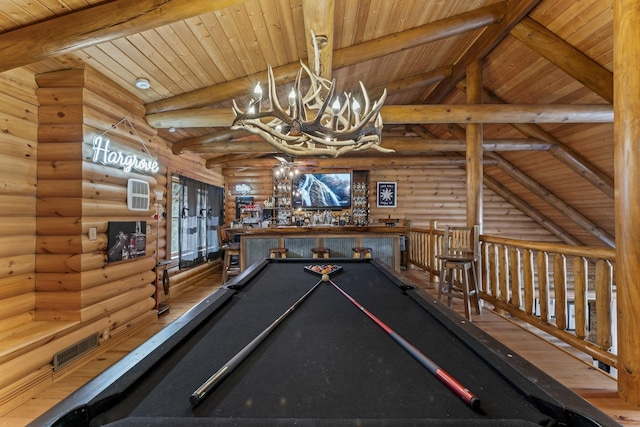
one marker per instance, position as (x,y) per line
(102,153)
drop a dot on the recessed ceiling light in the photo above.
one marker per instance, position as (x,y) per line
(143,84)
(172,129)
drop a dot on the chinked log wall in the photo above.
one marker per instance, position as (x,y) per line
(56,287)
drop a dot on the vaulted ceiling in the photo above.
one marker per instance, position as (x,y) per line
(546,73)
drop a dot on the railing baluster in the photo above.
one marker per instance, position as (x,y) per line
(543,284)
(580,294)
(604,285)
(493,272)
(516,277)
(504,274)
(527,275)
(560,289)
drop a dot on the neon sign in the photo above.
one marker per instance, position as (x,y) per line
(243,189)
(102,153)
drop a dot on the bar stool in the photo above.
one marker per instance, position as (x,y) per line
(230,267)
(320,252)
(361,251)
(278,252)
(461,249)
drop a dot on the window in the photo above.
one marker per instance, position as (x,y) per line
(196,214)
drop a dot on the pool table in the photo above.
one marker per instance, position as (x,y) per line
(326,364)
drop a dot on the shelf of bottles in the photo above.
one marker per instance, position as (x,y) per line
(360,200)
(282,200)
(251,215)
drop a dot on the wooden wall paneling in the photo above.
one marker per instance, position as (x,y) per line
(19,115)
(20,84)
(16,285)
(18,304)
(131,304)
(17,265)
(65,263)
(440,194)
(14,146)
(110,290)
(20,124)
(56,132)
(11,323)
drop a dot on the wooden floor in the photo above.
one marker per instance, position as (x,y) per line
(572,370)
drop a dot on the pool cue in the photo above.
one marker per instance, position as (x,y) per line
(213,381)
(467,396)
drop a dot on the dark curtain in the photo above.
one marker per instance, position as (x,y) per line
(200,215)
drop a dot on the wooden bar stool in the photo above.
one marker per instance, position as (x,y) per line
(461,249)
(231,265)
(361,251)
(278,252)
(320,252)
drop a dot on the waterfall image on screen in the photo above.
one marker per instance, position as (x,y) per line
(322,191)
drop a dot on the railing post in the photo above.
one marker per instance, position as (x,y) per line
(433,267)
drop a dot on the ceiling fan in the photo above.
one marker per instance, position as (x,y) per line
(291,164)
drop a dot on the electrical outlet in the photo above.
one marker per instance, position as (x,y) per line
(93,233)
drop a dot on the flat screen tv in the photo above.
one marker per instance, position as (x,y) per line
(322,191)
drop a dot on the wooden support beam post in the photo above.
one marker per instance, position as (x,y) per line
(474,148)
(626,129)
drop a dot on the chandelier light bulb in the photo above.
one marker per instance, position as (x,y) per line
(336,106)
(292,97)
(356,106)
(257,92)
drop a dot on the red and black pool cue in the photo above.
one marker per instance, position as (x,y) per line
(467,396)
(213,381)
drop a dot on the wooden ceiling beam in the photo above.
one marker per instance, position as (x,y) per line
(344,57)
(385,161)
(530,211)
(94,25)
(411,114)
(516,10)
(416,81)
(566,57)
(567,155)
(401,145)
(544,194)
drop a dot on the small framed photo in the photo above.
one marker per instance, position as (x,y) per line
(387,192)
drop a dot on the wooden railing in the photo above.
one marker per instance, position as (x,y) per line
(566,291)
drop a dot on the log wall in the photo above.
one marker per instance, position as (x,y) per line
(56,286)
(423,195)
(73,280)
(18,145)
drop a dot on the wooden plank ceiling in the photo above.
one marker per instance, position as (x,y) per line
(546,63)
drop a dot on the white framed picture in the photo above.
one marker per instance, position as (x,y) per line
(387,192)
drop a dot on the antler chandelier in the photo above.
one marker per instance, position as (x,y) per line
(316,123)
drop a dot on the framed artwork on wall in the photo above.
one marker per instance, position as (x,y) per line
(387,192)
(127,240)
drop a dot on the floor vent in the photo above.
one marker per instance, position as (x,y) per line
(69,354)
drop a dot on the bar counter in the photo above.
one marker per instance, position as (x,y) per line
(386,242)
